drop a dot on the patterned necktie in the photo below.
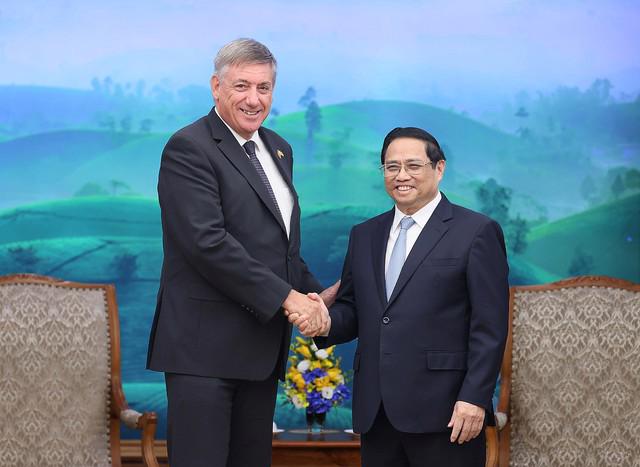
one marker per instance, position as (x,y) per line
(398,255)
(250,148)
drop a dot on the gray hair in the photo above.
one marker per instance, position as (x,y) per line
(243,50)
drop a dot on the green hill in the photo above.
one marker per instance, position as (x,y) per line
(352,133)
(56,165)
(81,217)
(608,234)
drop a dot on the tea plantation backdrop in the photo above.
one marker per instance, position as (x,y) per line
(536,104)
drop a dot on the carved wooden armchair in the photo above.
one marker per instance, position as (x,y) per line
(61,398)
(570,393)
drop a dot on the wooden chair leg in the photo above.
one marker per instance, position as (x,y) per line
(491,434)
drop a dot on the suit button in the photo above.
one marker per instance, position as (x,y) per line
(289,258)
(385,320)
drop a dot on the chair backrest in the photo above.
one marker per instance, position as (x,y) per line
(575,373)
(55,374)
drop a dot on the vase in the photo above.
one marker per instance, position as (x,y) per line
(315,422)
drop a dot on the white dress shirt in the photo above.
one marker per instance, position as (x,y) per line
(279,186)
(421,217)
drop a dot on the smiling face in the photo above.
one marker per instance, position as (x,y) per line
(412,192)
(243,95)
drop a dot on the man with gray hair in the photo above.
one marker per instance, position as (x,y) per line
(231,239)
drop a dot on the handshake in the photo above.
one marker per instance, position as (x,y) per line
(309,312)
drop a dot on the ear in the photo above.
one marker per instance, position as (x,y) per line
(214,82)
(440,166)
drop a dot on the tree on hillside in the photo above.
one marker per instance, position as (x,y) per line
(494,201)
(337,147)
(125,266)
(24,259)
(140,89)
(617,187)
(600,91)
(116,185)
(312,117)
(632,179)
(307,97)
(107,122)
(90,189)
(146,125)
(581,263)
(107,83)
(589,190)
(516,233)
(96,85)
(126,124)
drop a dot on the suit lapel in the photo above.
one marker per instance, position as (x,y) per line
(230,148)
(280,161)
(379,250)
(429,237)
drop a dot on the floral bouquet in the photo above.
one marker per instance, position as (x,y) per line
(314,380)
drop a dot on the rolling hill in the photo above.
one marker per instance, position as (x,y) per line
(608,234)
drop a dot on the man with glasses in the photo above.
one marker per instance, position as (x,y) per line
(425,291)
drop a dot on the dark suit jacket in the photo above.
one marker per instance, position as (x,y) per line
(441,335)
(228,264)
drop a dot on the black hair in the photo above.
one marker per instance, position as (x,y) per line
(432,148)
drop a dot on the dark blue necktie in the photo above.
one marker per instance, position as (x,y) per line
(250,148)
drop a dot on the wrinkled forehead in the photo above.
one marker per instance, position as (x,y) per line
(249,71)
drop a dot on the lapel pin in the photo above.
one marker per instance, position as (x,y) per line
(280,154)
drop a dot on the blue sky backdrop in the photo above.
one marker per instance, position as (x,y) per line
(465,55)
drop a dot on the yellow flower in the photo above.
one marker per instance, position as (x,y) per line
(315,364)
(327,363)
(304,351)
(330,349)
(334,374)
(298,381)
(322,382)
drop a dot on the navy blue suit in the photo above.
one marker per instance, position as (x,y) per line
(440,337)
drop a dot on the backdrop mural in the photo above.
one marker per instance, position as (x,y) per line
(536,104)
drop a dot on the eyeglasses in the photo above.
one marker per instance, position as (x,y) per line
(410,167)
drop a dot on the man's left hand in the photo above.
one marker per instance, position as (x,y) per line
(467,421)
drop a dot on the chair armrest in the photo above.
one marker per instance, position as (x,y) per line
(146,422)
(501,419)
(130,418)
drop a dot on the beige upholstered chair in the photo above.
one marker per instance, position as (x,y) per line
(571,375)
(61,398)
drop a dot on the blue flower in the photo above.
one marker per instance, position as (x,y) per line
(313,374)
(317,403)
(341,393)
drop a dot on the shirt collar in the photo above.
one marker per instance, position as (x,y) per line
(241,140)
(421,216)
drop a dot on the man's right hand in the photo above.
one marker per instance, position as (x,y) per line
(308,313)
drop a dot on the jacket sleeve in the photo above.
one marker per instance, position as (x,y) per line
(308,282)
(488,286)
(188,191)
(344,317)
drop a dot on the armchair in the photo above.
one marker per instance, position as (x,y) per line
(570,380)
(61,397)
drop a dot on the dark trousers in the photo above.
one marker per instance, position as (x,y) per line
(384,446)
(217,422)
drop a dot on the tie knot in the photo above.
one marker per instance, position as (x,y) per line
(406,222)
(250,147)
